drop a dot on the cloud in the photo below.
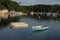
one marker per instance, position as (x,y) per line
(33,2)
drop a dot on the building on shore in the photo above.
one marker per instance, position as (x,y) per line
(45,14)
(14,13)
(3,13)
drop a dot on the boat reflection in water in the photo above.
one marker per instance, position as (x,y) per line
(39,32)
(38,35)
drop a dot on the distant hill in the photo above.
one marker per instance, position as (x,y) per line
(10,5)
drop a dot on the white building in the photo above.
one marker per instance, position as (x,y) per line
(14,13)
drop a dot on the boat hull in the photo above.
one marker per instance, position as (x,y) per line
(37,28)
(18,25)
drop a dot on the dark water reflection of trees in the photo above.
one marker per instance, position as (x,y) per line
(4,23)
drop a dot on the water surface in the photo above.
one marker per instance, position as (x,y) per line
(53,32)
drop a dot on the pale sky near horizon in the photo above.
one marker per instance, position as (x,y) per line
(34,2)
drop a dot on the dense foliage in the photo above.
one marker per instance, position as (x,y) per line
(41,8)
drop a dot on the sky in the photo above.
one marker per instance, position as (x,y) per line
(34,2)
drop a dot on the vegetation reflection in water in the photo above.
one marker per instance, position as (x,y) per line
(6,22)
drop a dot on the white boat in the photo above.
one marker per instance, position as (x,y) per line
(18,25)
(39,27)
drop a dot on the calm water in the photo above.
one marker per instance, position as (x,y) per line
(53,32)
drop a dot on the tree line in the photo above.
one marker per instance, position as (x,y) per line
(41,8)
(13,5)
